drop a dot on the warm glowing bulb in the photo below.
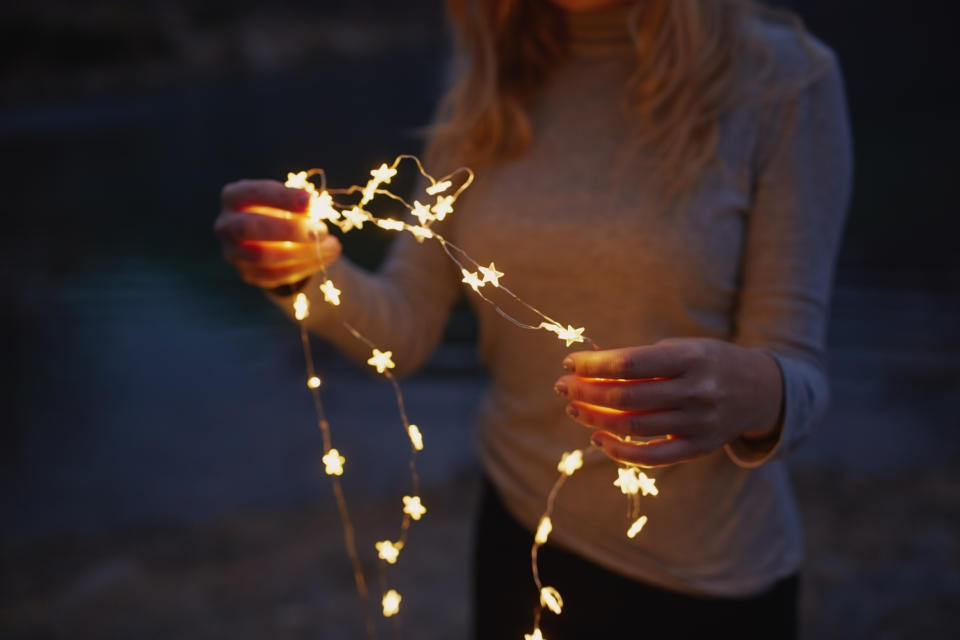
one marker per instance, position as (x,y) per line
(647,484)
(383,173)
(330,292)
(354,218)
(536,635)
(440,187)
(421,212)
(413,508)
(390,224)
(334,463)
(636,527)
(571,335)
(491,275)
(301,306)
(627,480)
(314,382)
(388,551)
(416,438)
(472,279)
(570,462)
(391,603)
(381,360)
(420,233)
(543,530)
(443,207)
(550,598)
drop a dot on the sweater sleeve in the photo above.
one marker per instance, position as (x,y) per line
(801,192)
(402,308)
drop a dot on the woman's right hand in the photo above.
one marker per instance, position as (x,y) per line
(267,236)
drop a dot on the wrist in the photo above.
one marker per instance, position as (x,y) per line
(768,384)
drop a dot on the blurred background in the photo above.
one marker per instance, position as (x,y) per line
(158,461)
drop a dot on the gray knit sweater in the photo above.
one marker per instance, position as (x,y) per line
(748,259)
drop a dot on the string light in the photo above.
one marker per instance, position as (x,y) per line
(391,603)
(324,209)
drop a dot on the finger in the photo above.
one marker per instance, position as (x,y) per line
(270,277)
(657,453)
(271,254)
(632,395)
(243,194)
(255,226)
(661,360)
(642,424)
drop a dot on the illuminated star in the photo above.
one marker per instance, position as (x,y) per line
(570,462)
(383,173)
(536,635)
(391,603)
(416,438)
(314,382)
(636,527)
(420,233)
(381,360)
(472,279)
(354,218)
(570,335)
(443,207)
(543,530)
(491,275)
(440,187)
(550,598)
(298,181)
(421,212)
(388,551)
(413,508)
(334,463)
(628,481)
(390,224)
(647,484)
(301,306)
(330,292)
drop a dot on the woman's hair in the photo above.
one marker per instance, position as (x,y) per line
(688,73)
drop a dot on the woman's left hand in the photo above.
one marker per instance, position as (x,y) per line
(682,398)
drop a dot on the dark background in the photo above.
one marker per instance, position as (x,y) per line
(158,463)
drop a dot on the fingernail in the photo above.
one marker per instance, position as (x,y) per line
(568,364)
(597,442)
(572,411)
(560,388)
(303,200)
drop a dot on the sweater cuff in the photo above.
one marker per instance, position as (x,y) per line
(749,453)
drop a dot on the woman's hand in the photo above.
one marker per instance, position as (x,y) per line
(684,397)
(266,235)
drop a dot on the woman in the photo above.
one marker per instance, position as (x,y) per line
(672,175)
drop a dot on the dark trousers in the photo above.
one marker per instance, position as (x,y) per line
(598,603)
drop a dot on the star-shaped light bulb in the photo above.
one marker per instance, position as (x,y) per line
(543,530)
(420,233)
(472,279)
(416,438)
(536,635)
(413,508)
(571,335)
(301,307)
(383,173)
(627,480)
(330,292)
(636,527)
(314,382)
(443,207)
(550,598)
(439,187)
(421,212)
(570,462)
(334,463)
(388,551)
(390,224)
(354,218)
(391,603)
(491,275)
(647,484)
(381,360)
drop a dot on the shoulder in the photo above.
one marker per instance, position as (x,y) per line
(786,56)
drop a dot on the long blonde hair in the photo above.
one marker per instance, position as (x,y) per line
(688,74)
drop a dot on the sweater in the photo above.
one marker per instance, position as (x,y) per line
(748,258)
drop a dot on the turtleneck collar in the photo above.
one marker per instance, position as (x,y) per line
(600,33)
